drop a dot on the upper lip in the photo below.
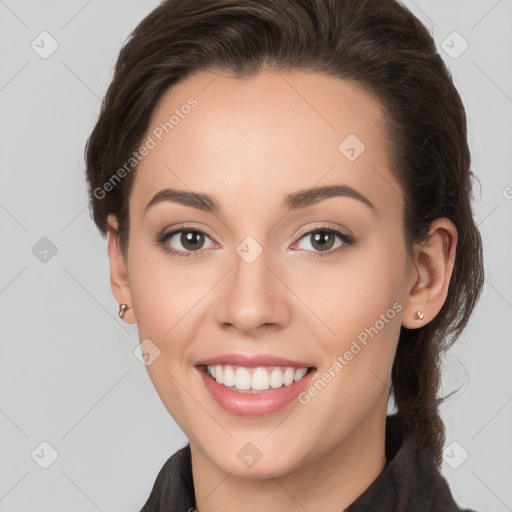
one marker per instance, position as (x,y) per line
(252,361)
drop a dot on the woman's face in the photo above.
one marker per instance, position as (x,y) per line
(268,273)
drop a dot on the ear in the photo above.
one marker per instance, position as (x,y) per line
(429,274)
(118,271)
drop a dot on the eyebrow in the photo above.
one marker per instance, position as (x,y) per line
(295,201)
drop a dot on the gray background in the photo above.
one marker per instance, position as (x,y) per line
(68,373)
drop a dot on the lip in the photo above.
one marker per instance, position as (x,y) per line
(255,404)
(250,361)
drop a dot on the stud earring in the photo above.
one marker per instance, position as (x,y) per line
(419,315)
(122,309)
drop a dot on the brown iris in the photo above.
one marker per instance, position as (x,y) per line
(192,240)
(321,241)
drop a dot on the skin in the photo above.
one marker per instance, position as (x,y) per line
(249,143)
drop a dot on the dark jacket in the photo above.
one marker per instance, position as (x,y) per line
(410,482)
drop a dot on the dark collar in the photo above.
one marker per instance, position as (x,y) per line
(410,482)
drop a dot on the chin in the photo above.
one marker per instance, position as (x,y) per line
(258,459)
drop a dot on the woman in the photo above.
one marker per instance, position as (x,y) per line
(286,190)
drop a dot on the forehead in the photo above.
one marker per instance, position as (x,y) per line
(266,136)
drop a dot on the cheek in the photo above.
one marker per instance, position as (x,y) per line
(159,305)
(162,299)
(162,290)
(370,318)
(350,292)
(359,300)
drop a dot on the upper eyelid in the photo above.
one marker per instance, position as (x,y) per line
(179,229)
(324,227)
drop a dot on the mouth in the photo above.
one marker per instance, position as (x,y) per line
(256,385)
(244,379)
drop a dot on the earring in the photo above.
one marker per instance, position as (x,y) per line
(122,309)
(419,315)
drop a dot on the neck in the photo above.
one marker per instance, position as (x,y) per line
(328,481)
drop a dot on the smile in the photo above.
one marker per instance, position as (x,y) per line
(254,380)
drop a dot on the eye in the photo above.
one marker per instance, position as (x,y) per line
(185,242)
(325,240)
(190,242)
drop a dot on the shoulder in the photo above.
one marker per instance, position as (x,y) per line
(173,489)
(410,480)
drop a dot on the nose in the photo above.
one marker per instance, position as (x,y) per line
(253,299)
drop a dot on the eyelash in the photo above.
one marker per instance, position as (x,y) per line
(165,236)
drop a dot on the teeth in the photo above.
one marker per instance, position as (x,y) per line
(255,379)
(299,373)
(242,379)
(276,378)
(229,377)
(288,376)
(260,379)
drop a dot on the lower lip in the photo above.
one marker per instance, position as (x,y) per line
(254,404)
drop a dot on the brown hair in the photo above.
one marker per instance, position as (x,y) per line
(383,47)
